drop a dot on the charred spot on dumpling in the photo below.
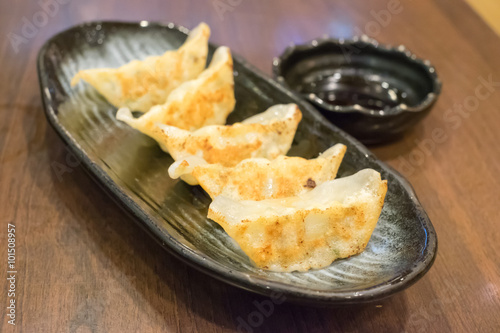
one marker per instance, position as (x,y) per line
(310,183)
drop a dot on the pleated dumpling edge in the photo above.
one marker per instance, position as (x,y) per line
(268,134)
(139,85)
(309,231)
(206,100)
(270,179)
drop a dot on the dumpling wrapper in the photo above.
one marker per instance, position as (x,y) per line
(260,178)
(311,230)
(268,134)
(207,100)
(139,85)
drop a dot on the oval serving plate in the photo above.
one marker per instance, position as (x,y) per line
(134,171)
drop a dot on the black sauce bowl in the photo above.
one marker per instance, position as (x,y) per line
(372,91)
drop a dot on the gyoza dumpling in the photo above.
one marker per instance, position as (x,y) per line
(310,230)
(207,100)
(139,85)
(268,134)
(279,178)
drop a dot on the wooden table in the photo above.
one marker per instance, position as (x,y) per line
(84,266)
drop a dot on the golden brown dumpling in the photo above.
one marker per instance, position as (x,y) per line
(207,100)
(268,134)
(310,230)
(270,179)
(139,85)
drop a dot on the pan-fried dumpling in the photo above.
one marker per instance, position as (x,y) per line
(268,134)
(282,177)
(139,85)
(207,100)
(310,230)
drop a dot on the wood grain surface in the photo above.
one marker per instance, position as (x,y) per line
(84,266)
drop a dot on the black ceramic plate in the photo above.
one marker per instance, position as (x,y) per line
(134,170)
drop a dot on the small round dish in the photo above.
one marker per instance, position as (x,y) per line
(372,91)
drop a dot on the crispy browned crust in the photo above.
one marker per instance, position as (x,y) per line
(279,178)
(228,145)
(139,85)
(283,243)
(207,100)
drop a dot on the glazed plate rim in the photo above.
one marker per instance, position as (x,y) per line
(211,266)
